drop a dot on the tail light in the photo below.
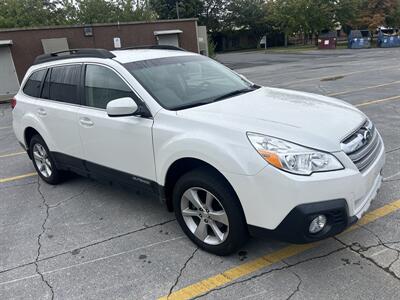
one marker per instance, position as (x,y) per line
(13,102)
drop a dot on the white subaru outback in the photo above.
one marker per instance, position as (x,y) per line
(231,158)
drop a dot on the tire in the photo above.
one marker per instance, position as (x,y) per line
(210,187)
(43,164)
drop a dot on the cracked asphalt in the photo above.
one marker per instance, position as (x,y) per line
(87,240)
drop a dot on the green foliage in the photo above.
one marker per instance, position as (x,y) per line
(213,14)
(307,17)
(347,12)
(28,13)
(167,9)
(24,13)
(96,11)
(376,13)
(248,15)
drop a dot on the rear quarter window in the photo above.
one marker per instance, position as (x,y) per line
(33,84)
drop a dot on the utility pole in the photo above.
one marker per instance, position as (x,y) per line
(177,8)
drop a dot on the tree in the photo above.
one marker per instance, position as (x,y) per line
(393,19)
(376,13)
(347,12)
(248,15)
(169,9)
(315,16)
(213,14)
(135,10)
(28,13)
(25,13)
(284,17)
(96,11)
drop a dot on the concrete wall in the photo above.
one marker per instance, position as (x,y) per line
(27,42)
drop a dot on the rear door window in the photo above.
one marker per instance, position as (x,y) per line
(62,83)
(33,84)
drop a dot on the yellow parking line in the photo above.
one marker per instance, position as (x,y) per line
(363,89)
(8,179)
(257,264)
(378,101)
(12,154)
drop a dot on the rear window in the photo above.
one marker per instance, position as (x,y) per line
(61,84)
(32,86)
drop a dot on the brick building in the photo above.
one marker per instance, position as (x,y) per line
(20,46)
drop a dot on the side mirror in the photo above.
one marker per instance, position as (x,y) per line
(121,107)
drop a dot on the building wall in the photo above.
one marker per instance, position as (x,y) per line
(27,42)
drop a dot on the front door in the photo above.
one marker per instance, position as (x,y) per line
(120,147)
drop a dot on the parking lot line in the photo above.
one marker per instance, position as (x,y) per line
(8,179)
(6,127)
(363,89)
(12,154)
(377,101)
(257,264)
(331,76)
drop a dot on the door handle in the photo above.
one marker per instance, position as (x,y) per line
(41,112)
(86,122)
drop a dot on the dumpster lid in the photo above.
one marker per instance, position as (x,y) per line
(360,33)
(327,35)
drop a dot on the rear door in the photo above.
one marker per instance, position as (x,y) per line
(119,147)
(58,108)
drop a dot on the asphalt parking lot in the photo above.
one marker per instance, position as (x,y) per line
(87,240)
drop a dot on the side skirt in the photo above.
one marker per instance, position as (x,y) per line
(107,175)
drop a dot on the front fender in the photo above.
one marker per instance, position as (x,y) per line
(221,154)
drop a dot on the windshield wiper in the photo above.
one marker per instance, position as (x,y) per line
(208,101)
(190,105)
(234,93)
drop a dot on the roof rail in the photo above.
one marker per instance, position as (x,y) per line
(160,47)
(73,53)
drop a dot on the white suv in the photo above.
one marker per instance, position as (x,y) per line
(228,156)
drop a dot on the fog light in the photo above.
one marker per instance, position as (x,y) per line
(317,224)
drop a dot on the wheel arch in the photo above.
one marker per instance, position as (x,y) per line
(184,165)
(29,133)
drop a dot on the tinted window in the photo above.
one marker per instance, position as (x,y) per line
(32,86)
(61,84)
(103,85)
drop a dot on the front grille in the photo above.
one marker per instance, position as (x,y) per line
(363,146)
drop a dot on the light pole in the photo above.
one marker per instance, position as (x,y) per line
(177,8)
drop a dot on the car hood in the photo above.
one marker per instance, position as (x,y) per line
(307,119)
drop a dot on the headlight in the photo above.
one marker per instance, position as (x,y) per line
(291,157)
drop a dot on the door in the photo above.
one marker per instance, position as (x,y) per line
(58,108)
(9,84)
(114,146)
(168,39)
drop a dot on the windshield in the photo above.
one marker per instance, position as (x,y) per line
(187,81)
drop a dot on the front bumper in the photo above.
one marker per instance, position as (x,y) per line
(272,197)
(295,227)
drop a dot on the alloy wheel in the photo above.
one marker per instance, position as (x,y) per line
(42,161)
(205,216)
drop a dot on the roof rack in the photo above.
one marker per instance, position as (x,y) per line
(73,53)
(159,47)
